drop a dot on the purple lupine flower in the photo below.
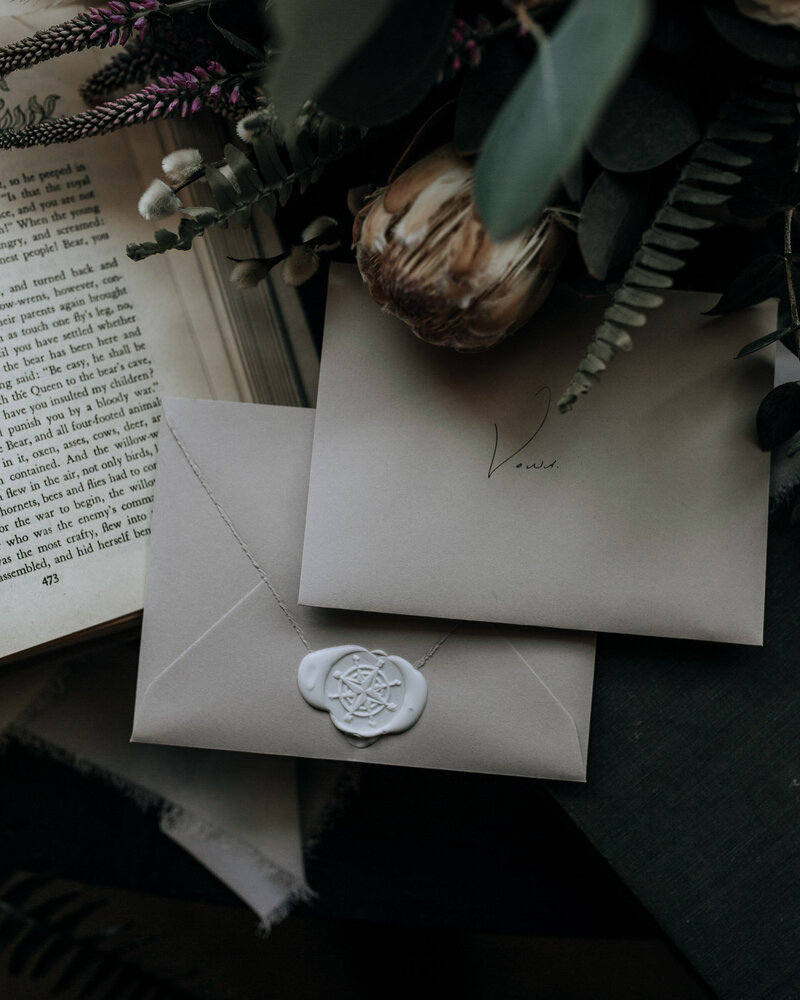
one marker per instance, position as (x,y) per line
(101,27)
(172,94)
(465,45)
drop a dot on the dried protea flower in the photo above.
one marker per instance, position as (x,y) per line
(429,260)
(779,12)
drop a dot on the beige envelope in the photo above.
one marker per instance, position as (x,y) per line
(644,510)
(220,649)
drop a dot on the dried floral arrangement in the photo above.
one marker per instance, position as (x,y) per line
(599,142)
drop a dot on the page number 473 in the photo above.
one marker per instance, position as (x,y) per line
(50,579)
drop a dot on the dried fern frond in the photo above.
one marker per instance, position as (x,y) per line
(706,181)
(44,937)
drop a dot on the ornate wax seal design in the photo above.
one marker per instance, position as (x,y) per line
(367,693)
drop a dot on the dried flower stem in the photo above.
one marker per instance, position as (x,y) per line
(181,94)
(170,45)
(98,27)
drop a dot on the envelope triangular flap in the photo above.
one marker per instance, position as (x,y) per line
(232,684)
(565,668)
(486,710)
(194,572)
(247,457)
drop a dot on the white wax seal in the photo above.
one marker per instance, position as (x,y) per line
(367,692)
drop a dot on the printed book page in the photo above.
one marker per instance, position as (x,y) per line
(89,342)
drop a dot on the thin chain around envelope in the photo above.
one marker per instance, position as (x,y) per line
(244,547)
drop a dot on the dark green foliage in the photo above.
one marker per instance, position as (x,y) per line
(763,278)
(486,88)
(706,181)
(317,40)
(767,339)
(389,76)
(778,416)
(775,46)
(539,132)
(613,216)
(647,123)
(45,939)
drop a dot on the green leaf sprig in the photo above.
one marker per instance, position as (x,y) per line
(713,169)
(264,178)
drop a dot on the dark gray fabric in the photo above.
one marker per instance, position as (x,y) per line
(693,790)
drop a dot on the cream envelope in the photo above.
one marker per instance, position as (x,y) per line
(454,488)
(221,639)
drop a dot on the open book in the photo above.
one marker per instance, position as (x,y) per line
(90,341)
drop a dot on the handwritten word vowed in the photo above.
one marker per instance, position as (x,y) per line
(522,465)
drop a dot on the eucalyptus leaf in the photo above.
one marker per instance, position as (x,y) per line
(573,179)
(486,87)
(391,73)
(766,340)
(235,40)
(763,278)
(646,124)
(778,46)
(541,128)
(613,215)
(317,41)
(778,417)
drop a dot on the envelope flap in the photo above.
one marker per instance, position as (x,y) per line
(644,510)
(487,710)
(565,668)
(219,669)
(232,485)
(193,564)
(254,464)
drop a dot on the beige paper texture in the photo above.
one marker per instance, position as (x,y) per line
(219,655)
(448,484)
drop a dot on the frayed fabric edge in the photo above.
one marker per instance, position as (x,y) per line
(169,814)
(297,892)
(141,797)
